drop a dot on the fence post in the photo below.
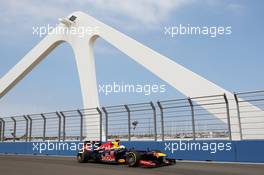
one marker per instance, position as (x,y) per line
(81,124)
(59,129)
(101,123)
(129,122)
(14,129)
(238,116)
(30,127)
(63,125)
(44,127)
(106,123)
(155,120)
(26,134)
(3,130)
(162,120)
(228,117)
(193,120)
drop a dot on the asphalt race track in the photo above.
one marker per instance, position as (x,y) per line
(44,165)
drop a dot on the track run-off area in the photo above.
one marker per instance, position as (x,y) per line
(49,165)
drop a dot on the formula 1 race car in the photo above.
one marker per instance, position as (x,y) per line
(113,152)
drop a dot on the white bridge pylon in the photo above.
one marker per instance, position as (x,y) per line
(185,81)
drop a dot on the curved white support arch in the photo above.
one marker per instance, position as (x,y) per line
(179,77)
(83,51)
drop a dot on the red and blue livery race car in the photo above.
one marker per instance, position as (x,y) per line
(113,152)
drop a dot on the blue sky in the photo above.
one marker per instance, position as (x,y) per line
(234,62)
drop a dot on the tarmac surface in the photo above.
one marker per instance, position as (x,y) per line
(48,165)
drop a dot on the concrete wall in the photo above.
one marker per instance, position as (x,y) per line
(230,151)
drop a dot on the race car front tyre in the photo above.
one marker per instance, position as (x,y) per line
(83,157)
(133,159)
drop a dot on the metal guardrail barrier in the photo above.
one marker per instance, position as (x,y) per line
(163,120)
(184,118)
(256,117)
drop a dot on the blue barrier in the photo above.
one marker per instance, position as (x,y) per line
(202,150)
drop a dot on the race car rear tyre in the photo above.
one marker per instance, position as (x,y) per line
(133,159)
(83,157)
